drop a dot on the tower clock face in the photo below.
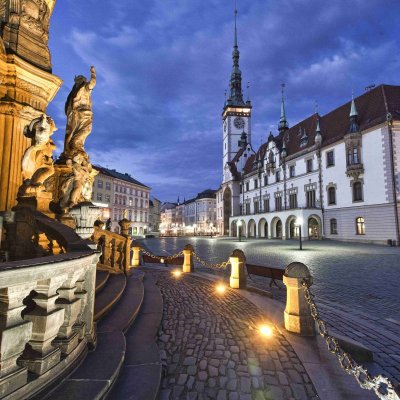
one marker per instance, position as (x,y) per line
(239,122)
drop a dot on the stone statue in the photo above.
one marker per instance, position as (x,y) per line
(77,186)
(37,162)
(78,109)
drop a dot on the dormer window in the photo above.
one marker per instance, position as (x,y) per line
(303,138)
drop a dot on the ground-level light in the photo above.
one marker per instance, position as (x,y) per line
(221,288)
(177,273)
(266,330)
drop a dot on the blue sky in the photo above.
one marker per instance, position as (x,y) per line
(163,67)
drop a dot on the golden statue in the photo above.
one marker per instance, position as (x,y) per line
(37,162)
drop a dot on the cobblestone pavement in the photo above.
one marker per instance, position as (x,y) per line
(356,286)
(212,348)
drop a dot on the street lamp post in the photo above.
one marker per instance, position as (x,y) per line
(211,228)
(194,226)
(299,222)
(240,230)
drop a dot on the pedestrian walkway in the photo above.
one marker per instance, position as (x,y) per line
(213,349)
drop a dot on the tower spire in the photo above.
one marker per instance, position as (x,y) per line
(283,125)
(353,116)
(236,94)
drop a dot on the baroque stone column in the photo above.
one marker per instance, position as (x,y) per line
(26,85)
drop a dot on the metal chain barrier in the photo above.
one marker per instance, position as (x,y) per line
(206,264)
(160,258)
(381,385)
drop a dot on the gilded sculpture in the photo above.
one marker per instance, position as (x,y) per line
(37,162)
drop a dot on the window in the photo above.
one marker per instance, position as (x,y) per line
(360,226)
(278,176)
(278,203)
(108,198)
(130,201)
(247,208)
(357,191)
(310,197)
(353,156)
(331,195)
(241,189)
(255,183)
(256,207)
(247,186)
(100,184)
(310,165)
(266,205)
(330,158)
(293,200)
(265,180)
(292,171)
(108,185)
(333,223)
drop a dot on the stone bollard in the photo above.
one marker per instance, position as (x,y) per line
(136,255)
(298,318)
(238,273)
(188,265)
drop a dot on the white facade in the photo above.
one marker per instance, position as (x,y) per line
(195,216)
(317,185)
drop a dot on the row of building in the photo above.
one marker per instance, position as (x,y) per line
(119,194)
(195,216)
(330,176)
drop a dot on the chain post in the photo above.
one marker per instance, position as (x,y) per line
(382,386)
(188,265)
(136,255)
(238,266)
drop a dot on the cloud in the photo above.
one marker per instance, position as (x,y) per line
(163,67)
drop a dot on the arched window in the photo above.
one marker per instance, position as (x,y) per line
(357,191)
(333,222)
(331,195)
(360,226)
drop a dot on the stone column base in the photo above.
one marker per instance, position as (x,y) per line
(80,329)
(13,381)
(40,365)
(68,344)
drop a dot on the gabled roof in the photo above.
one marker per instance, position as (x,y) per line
(118,175)
(373,108)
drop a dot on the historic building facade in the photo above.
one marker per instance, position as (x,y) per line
(195,216)
(331,176)
(117,193)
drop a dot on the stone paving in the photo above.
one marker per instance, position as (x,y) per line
(350,310)
(212,349)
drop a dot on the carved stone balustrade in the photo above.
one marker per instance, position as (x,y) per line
(115,250)
(46,307)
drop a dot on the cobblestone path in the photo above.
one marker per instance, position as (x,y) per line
(212,348)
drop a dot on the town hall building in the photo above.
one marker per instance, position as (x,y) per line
(331,176)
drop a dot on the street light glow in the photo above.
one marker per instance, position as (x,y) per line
(299,221)
(221,288)
(177,273)
(266,330)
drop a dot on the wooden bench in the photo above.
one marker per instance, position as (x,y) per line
(273,274)
(174,261)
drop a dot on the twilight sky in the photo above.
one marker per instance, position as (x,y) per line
(163,67)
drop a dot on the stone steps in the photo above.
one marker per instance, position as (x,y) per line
(101,280)
(109,295)
(121,317)
(141,373)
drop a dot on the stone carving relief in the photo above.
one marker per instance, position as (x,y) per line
(37,162)
(35,16)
